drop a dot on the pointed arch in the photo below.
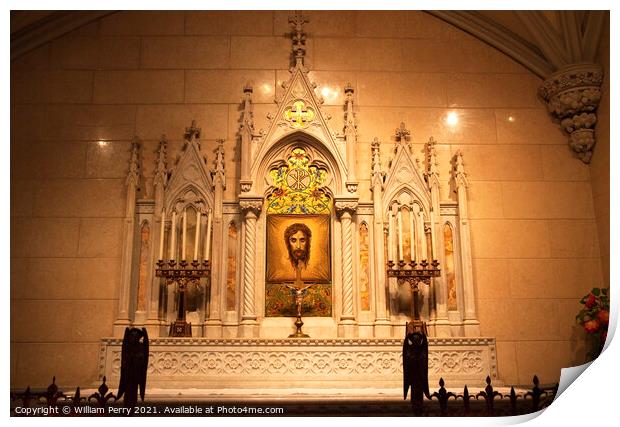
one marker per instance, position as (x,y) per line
(189,195)
(316,149)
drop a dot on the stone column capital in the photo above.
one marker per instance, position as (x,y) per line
(345,207)
(572,95)
(251,206)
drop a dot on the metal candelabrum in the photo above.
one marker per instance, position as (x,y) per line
(415,347)
(182,274)
(413,274)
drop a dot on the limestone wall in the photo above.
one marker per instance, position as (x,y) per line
(78,101)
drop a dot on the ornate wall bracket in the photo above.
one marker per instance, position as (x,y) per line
(572,96)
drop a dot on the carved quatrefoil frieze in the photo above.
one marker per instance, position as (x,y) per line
(300,363)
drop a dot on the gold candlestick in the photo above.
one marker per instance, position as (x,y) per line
(299,289)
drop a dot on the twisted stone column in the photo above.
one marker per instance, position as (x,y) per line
(345,211)
(251,210)
(347,266)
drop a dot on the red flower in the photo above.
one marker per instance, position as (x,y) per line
(603,317)
(591,326)
(591,301)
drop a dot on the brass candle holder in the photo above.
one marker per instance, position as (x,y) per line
(182,274)
(415,347)
(413,274)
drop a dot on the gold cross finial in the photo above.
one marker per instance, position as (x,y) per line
(299,115)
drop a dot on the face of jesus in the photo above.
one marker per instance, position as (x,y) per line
(297,237)
(297,243)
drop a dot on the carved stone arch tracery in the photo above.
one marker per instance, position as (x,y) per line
(317,152)
(416,197)
(189,195)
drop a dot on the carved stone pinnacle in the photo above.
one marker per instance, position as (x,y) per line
(193,131)
(299,37)
(402,133)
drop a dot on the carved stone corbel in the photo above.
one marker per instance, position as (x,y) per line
(572,96)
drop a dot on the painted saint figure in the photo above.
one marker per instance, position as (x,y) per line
(297,237)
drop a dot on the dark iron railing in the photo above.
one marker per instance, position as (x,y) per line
(488,402)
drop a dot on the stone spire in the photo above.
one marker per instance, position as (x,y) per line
(377,174)
(133,176)
(350,135)
(431,156)
(349,117)
(162,167)
(193,132)
(246,131)
(403,136)
(432,170)
(460,177)
(247,122)
(219,172)
(299,37)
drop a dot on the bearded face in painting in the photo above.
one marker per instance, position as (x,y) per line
(297,238)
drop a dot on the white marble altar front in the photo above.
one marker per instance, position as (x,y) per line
(312,364)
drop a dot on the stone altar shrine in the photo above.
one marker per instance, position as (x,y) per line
(235,343)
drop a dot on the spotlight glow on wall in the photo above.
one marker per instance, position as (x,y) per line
(103,143)
(329,94)
(511,119)
(452,119)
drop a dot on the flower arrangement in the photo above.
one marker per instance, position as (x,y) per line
(594,318)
